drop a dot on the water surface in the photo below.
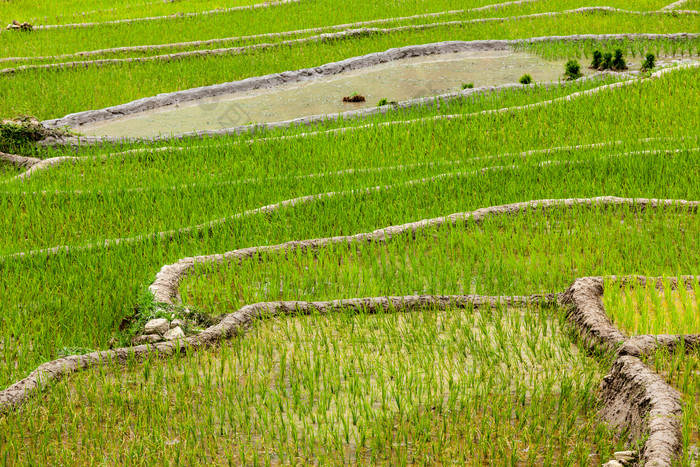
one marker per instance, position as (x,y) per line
(395,81)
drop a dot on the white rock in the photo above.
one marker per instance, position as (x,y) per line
(147,339)
(176,323)
(613,463)
(175,333)
(625,457)
(157,326)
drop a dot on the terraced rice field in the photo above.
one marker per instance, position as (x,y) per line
(481,272)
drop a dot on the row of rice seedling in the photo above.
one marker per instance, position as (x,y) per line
(126,213)
(488,386)
(289,17)
(680,369)
(114,84)
(514,255)
(162,162)
(44,47)
(81,11)
(645,310)
(79,300)
(636,48)
(282,18)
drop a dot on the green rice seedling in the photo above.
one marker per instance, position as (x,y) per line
(467,85)
(448,260)
(525,79)
(607,63)
(680,369)
(618,62)
(645,310)
(115,276)
(649,62)
(396,387)
(139,80)
(572,70)
(597,59)
(382,101)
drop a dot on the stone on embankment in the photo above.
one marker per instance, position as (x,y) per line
(613,463)
(147,339)
(174,333)
(157,326)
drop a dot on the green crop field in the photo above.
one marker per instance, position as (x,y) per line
(491,372)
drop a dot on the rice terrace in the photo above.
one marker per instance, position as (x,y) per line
(350,232)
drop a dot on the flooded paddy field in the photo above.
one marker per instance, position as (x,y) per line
(396,81)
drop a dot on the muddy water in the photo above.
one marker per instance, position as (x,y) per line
(395,81)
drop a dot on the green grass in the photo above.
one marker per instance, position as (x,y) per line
(302,15)
(516,255)
(115,84)
(468,386)
(680,369)
(83,11)
(644,310)
(79,300)
(8,170)
(497,387)
(280,19)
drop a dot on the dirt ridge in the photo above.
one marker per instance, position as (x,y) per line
(144,48)
(165,287)
(234,324)
(329,69)
(364,31)
(634,397)
(21,162)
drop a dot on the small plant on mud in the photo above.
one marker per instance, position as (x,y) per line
(649,62)
(618,62)
(525,79)
(597,60)
(467,85)
(382,101)
(354,97)
(573,70)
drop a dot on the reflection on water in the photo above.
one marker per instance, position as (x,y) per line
(395,81)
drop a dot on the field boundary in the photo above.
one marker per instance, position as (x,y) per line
(165,288)
(323,37)
(20,162)
(329,69)
(234,324)
(297,32)
(265,4)
(634,397)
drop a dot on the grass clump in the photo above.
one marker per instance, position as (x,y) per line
(649,62)
(18,135)
(572,70)
(525,79)
(618,61)
(467,85)
(597,60)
